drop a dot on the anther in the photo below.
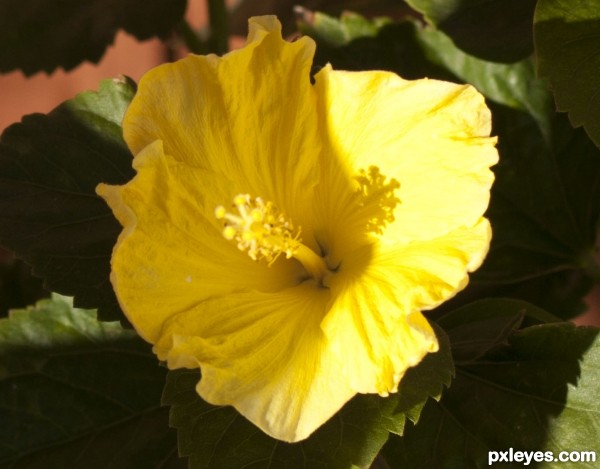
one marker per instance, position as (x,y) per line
(258,228)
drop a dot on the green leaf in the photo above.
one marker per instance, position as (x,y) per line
(479,327)
(567,46)
(75,392)
(44,34)
(394,47)
(50,214)
(498,30)
(215,437)
(431,51)
(513,85)
(538,393)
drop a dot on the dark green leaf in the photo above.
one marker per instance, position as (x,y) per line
(567,45)
(544,212)
(425,380)
(216,437)
(75,392)
(539,393)
(498,30)
(43,34)
(18,288)
(50,214)
(479,327)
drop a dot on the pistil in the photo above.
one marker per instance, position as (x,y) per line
(260,230)
(314,264)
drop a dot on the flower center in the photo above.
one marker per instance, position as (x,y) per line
(260,230)
(376,197)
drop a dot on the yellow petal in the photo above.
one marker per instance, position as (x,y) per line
(431,136)
(375,321)
(248,116)
(264,354)
(171,254)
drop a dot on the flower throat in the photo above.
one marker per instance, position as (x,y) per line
(264,233)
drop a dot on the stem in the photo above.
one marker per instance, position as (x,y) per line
(219,26)
(191,38)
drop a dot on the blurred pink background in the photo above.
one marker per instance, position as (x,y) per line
(22,95)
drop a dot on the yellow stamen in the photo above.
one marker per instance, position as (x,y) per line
(263,232)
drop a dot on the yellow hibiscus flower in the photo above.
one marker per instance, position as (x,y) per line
(284,236)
